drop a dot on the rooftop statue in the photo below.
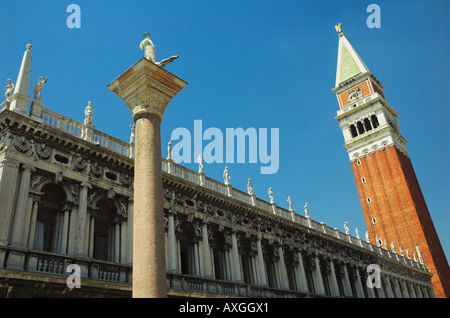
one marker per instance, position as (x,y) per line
(37,89)
(88,114)
(250,187)
(200,163)
(226,176)
(9,88)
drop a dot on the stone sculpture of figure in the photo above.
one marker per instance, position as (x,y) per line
(347,230)
(306,209)
(169,149)
(290,203)
(357,233)
(88,114)
(385,244)
(133,129)
(354,94)
(200,163)
(226,176)
(270,192)
(401,251)
(148,47)
(367,237)
(250,187)
(393,247)
(9,88)
(38,88)
(377,240)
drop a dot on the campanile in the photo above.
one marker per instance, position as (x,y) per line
(395,211)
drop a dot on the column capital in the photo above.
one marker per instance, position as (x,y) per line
(147,89)
(86,185)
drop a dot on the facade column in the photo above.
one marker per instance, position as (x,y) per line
(147,89)
(346,282)
(318,275)
(359,287)
(9,172)
(302,274)
(235,257)
(207,266)
(389,290)
(117,242)
(129,248)
(32,233)
(123,242)
(282,269)
(65,230)
(262,281)
(333,281)
(81,232)
(19,226)
(171,243)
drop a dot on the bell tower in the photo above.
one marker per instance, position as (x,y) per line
(394,208)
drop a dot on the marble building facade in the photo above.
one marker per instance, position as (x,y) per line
(66,194)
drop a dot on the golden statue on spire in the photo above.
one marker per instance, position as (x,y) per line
(338,27)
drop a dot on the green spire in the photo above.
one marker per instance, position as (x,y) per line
(349,63)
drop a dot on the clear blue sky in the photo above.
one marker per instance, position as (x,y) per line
(261,64)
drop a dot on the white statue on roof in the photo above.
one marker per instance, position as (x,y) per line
(88,114)
(38,88)
(9,88)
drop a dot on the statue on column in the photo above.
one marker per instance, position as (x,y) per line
(200,163)
(250,187)
(88,114)
(148,47)
(9,89)
(150,51)
(38,88)
(226,176)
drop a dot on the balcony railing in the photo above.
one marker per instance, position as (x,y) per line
(57,264)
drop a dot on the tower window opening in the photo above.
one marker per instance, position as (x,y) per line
(358,162)
(360,127)
(375,122)
(363,180)
(353,131)
(367,124)
(369,200)
(374,220)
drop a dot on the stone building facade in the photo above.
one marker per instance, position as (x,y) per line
(66,194)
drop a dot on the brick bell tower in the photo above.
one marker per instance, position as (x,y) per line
(395,210)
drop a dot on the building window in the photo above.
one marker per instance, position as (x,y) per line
(363,180)
(369,200)
(358,162)
(375,122)
(47,219)
(374,220)
(353,131)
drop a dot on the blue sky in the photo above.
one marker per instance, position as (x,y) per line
(261,64)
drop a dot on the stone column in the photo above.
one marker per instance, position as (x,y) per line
(129,248)
(147,89)
(283,270)
(207,266)
(80,237)
(302,274)
(262,281)
(34,211)
(65,229)
(171,243)
(333,280)
(346,281)
(235,256)
(20,214)
(318,274)
(359,287)
(8,179)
